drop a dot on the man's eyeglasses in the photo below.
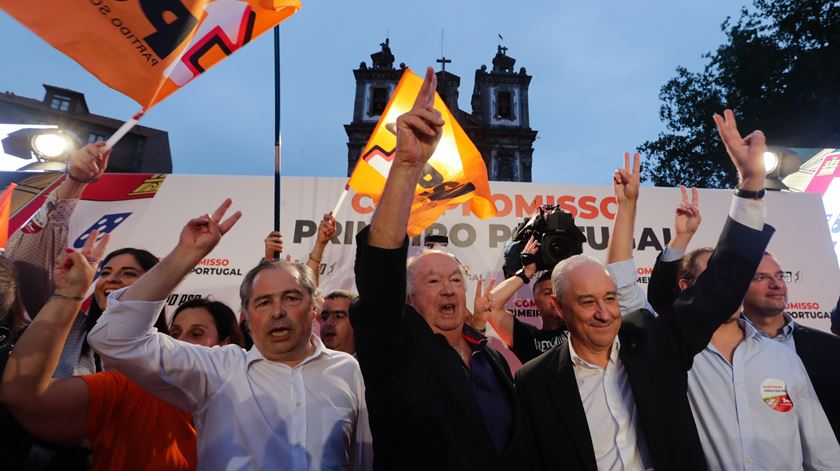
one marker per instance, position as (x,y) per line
(781,276)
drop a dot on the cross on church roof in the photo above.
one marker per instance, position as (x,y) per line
(443,61)
(502,50)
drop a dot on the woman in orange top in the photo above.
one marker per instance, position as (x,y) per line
(127,427)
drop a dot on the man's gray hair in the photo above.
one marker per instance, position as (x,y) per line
(343,294)
(559,276)
(302,273)
(412,262)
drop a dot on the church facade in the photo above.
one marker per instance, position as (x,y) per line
(498,124)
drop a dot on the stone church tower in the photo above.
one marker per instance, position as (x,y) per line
(498,125)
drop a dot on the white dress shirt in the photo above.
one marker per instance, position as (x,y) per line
(249,412)
(610,412)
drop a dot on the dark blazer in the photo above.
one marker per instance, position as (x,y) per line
(662,290)
(423,412)
(820,353)
(818,350)
(657,353)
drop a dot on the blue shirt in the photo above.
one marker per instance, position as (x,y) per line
(785,337)
(761,411)
(490,393)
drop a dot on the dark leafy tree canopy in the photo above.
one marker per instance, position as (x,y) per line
(779,70)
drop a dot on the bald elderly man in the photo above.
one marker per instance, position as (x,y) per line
(438,397)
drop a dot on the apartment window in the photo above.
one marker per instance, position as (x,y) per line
(61,103)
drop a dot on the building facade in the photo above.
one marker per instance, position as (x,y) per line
(142,150)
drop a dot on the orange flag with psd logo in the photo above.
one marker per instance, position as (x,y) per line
(148,49)
(453,175)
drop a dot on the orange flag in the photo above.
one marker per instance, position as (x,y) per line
(148,49)
(453,175)
(5,212)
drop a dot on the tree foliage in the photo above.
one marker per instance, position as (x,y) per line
(779,70)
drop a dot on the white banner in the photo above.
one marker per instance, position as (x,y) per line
(801,244)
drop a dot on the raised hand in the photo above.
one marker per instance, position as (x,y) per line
(89,162)
(746,153)
(482,305)
(529,261)
(326,229)
(73,273)
(687,218)
(419,130)
(626,181)
(273,244)
(203,233)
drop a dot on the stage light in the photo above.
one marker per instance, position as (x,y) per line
(51,145)
(771,162)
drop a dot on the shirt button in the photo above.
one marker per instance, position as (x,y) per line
(749,460)
(298,403)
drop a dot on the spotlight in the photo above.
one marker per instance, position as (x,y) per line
(45,148)
(51,146)
(779,162)
(771,162)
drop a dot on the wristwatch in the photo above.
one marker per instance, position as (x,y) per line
(522,276)
(750,195)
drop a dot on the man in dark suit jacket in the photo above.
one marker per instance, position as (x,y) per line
(438,397)
(614,396)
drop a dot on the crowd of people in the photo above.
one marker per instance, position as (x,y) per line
(704,371)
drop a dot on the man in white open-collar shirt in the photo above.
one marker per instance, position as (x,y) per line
(288,403)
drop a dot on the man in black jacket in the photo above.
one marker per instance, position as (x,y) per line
(438,397)
(614,395)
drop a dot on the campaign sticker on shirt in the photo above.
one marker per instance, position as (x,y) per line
(774,394)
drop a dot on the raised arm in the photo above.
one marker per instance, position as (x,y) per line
(418,133)
(626,184)
(35,247)
(124,336)
(53,410)
(718,292)
(326,229)
(662,286)
(382,248)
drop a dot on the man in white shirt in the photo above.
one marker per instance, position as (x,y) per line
(288,403)
(614,395)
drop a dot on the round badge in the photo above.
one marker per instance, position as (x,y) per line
(774,394)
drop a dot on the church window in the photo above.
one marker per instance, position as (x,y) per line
(378,101)
(504,105)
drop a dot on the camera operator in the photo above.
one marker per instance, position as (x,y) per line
(526,341)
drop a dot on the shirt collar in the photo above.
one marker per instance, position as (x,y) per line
(578,361)
(786,332)
(254,353)
(750,331)
(473,337)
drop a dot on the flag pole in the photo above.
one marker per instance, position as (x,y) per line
(341,200)
(123,130)
(277,139)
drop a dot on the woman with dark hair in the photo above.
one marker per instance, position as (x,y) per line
(127,427)
(204,322)
(118,269)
